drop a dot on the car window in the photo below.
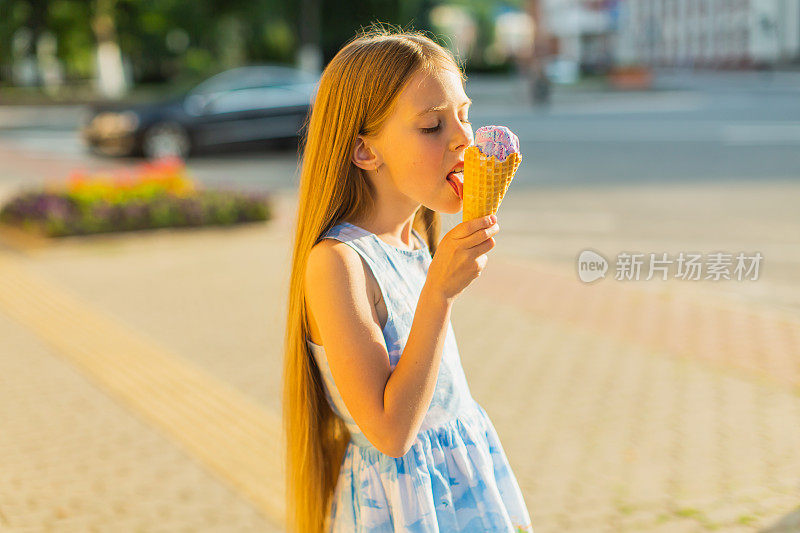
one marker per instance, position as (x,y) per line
(258,98)
(231,80)
(252,77)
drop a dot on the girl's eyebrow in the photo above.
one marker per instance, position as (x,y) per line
(441,107)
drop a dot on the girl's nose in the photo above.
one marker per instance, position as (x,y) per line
(463,136)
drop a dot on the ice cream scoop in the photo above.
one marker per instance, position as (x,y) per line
(497,141)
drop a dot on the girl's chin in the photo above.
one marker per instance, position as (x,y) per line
(454,208)
(449,208)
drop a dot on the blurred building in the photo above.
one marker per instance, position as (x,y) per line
(584,31)
(708,33)
(736,34)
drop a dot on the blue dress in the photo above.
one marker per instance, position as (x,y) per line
(456,476)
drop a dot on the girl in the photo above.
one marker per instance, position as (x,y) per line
(382,432)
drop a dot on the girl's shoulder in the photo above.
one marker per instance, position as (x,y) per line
(336,271)
(332,256)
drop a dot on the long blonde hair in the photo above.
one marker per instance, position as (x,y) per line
(355,96)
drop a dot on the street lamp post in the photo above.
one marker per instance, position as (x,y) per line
(540,83)
(309,55)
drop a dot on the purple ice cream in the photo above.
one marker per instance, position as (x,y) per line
(497,141)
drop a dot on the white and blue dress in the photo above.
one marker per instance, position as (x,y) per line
(456,476)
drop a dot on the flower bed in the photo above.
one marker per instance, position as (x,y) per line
(154,195)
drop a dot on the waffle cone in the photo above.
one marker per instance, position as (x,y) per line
(486,181)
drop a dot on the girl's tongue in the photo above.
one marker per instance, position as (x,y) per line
(457,179)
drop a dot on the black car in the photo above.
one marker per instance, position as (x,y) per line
(251,103)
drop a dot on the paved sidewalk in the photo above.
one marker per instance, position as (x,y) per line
(77,458)
(141,385)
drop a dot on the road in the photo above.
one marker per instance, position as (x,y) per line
(702,128)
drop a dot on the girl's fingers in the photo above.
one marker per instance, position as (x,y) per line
(466,229)
(482,235)
(483,247)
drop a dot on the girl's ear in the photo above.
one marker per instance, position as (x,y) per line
(364,155)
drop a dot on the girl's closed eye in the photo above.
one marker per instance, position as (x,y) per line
(436,128)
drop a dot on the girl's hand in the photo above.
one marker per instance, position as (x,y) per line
(461,256)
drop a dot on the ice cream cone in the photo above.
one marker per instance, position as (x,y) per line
(485,182)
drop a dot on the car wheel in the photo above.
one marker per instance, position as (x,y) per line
(166,139)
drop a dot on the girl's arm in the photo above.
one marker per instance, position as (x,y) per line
(410,388)
(340,302)
(387,406)
(460,258)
